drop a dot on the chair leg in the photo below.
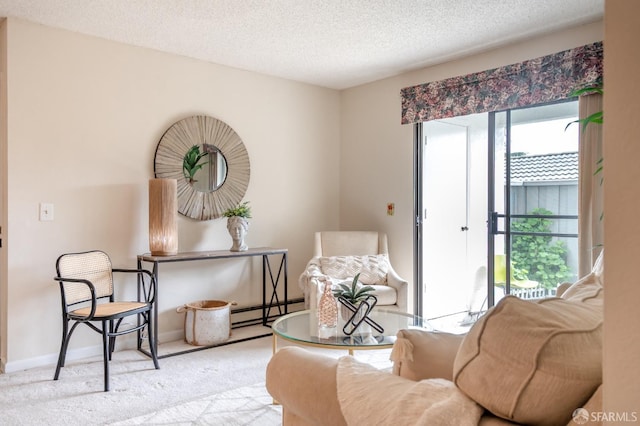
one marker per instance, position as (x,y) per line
(112,340)
(152,341)
(63,348)
(106,355)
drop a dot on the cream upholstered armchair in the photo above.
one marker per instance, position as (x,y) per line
(340,255)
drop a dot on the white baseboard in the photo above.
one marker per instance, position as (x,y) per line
(52,359)
(122,343)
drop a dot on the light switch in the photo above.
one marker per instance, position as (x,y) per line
(391,209)
(46,211)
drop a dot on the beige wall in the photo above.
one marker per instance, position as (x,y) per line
(3,180)
(85,116)
(377,151)
(622,204)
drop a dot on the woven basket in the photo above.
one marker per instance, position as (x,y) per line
(207,322)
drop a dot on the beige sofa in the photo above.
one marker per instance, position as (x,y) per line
(523,362)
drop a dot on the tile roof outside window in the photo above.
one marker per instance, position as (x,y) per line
(545,168)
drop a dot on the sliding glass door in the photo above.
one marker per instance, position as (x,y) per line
(533,200)
(499,209)
(454,196)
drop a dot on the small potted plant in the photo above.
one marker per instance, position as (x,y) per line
(238,225)
(354,293)
(241,210)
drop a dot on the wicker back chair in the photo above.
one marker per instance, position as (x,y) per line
(87,292)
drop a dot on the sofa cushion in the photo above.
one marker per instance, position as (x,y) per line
(589,288)
(369,396)
(373,269)
(586,290)
(533,362)
(418,354)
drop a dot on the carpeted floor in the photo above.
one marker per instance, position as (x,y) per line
(246,406)
(221,386)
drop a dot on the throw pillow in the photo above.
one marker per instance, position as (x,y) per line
(418,354)
(532,362)
(589,288)
(586,290)
(373,269)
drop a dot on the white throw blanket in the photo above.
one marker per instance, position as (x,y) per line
(371,396)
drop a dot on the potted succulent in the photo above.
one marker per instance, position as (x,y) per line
(354,293)
(238,225)
(241,210)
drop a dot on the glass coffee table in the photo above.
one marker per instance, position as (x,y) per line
(302,327)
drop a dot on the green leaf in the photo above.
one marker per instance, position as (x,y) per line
(362,292)
(190,162)
(345,287)
(242,210)
(595,118)
(598,170)
(589,90)
(537,258)
(351,292)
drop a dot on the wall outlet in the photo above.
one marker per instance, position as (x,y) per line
(46,212)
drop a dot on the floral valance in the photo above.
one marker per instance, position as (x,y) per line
(536,81)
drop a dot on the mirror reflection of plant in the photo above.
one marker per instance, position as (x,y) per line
(190,163)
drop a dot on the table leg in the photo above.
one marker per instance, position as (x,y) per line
(155,310)
(286,302)
(274,300)
(139,333)
(275,349)
(265,260)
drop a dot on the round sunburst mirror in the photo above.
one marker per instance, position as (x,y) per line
(209,161)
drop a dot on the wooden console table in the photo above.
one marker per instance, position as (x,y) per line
(265,252)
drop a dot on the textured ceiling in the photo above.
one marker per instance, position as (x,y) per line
(330,43)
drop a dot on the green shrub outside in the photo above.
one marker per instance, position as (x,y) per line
(538,258)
